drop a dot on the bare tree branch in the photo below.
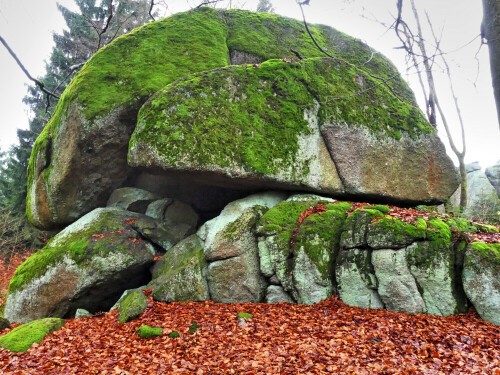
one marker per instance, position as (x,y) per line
(151,9)
(40,84)
(106,25)
(208,2)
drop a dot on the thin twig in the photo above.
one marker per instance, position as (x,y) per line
(40,84)
(151,10)
(296,53)
(210,2)
(106,25)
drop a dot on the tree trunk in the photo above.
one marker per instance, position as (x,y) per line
(491,31)
(463,184)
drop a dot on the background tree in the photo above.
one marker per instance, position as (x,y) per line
(96,24)
(490,31)
(265,6)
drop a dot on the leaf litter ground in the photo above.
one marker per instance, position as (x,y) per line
(328,337)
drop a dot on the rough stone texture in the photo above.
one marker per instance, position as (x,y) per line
(131,199)
(396,285)
(480,279)
(234,272)
(82,313)
(157,209)
(21,338)
(180,274)
(437,278)
(276,294)
(356,227)
(177,221)
(233,210)
(398,170)
(493,174)
(87,265)
(132,306)
(80,157)
(391,233)
(356,281)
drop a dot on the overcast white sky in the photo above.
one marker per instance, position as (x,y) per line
(28,25)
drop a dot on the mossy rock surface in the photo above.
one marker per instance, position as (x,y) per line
(132,306)
(101,253)
(20,339)
(80,156)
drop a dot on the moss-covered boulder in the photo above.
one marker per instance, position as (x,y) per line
(87,265)
(356,227)
(493,174)
(481,279)
(21,338)
(132,305)
(180,275)
(304,266)
(258,137)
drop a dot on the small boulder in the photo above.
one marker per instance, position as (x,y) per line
(132,305)
(131,199)
(276,294)
(493,174)
(87,265)
(82,313)
(21,338)
(180,274)
(4,323)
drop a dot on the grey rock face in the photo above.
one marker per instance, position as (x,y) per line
(407,169)
(87,265)
(276,294)
(180,274)
(131,199)
(356,281)
(480,279)
(396,285)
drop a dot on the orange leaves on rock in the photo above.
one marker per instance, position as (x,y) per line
(130,222)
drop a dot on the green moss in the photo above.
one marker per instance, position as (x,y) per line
(486,228)
(284,215)
(384,209)
(173,335)
(356,227)
(132,306)
(21,338)
(146,332)
(245,316)
(395,233)
(436,246)
(488,251)
(319,237)
(246,117)
(80,247)
(194,327)
(234,230)
(460,224)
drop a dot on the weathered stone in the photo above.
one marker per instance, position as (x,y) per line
(276,294)
(87,265)
(131,199)
(493,174)
(180,274)
(234,274)
(392,233)
(402,169)
(480,279)
(82,313)
(356,227)
(396,285)
(157,209)
(132,306)
(436,264)
(124,294)
(21,338)
(356,281)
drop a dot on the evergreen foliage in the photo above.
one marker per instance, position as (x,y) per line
(72,49)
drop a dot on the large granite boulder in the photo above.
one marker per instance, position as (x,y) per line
(87,265)
(234,127)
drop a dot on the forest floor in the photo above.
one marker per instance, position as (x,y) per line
(328,337)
